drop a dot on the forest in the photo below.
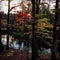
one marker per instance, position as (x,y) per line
(30,29)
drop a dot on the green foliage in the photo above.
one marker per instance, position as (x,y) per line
(44,28)
(40,16)
(45,20)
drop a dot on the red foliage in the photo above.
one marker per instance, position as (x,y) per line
(24,15)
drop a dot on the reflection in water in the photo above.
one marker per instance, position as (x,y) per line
(22,46)
(15,45)
(4,39)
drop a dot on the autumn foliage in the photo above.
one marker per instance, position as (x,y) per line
(23,17)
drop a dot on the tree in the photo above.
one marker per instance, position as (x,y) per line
(34,41)
(37,9)
(54,48)
(7,47)
(1,46)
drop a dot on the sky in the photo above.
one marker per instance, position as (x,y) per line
(4,6)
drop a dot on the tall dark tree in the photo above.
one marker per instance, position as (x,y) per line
(7,47)
(54,44)
(0,33)
(58,32)
(59,42)
(37,3)
(34,48)
(35,10)
(1,46)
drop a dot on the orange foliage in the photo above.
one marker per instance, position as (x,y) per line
(20,20)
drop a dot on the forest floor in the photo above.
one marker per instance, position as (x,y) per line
(14,54)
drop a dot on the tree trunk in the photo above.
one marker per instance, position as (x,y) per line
(1,46)
(34,50)
(7,47)
(54,44)
(34,40)
(37,6)
(59,42)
